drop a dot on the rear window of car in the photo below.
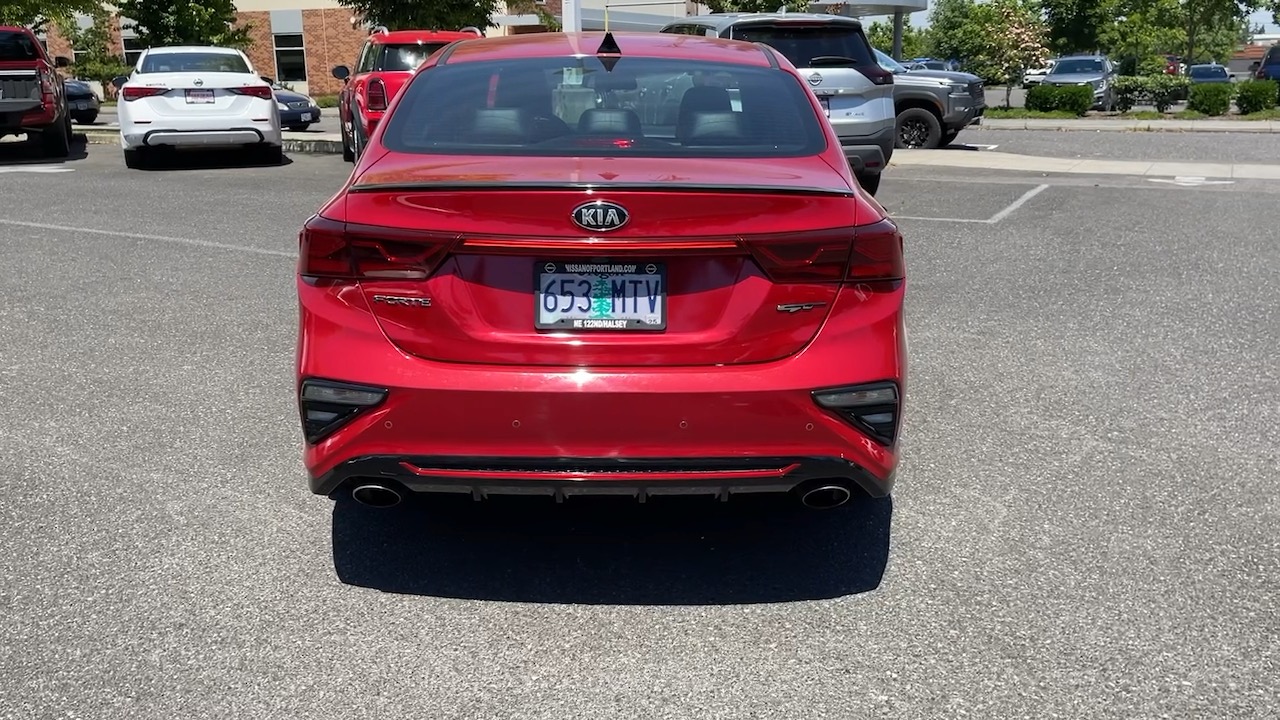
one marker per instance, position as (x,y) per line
(1071,67)
(801,44)
(193,62)
(17,47)
(644,107)
(395,57)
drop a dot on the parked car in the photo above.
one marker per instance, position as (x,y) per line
(838,63)
(538,280)
(297,111)
(933,106)
(386,62)
(932,64)
(33,100)
(196,96)
(1096,71)
(82,102)
(1208,73)
(1269,67)
(1035,76)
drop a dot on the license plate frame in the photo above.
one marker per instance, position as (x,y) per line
(200,97)
(609,272)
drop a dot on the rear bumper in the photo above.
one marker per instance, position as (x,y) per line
(561,478)
(17,115)
(497,428)
(869,154)
(199,132)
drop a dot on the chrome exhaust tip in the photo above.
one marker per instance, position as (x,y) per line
(379,496)
(825,496)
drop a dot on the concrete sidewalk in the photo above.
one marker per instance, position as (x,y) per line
(993,160)
(1123,125)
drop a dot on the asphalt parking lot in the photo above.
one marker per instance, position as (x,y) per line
(1084,526)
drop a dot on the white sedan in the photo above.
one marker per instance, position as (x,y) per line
(196,96)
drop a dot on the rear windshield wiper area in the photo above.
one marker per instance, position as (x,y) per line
(833,61)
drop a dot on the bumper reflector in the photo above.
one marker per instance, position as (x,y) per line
(872,408)
(327,405)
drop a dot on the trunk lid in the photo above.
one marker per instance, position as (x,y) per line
(675,284)
(199,93)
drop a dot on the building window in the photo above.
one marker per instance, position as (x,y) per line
(132,51)
(291,60)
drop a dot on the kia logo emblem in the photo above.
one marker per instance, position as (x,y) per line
(600,216)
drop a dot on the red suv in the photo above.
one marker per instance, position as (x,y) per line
(387,61)
(32,98)
(568,265)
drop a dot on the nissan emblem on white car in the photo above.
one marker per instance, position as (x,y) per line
(600,216)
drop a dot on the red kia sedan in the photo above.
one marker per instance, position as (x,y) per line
(574,264)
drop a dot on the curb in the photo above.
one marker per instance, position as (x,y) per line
(1099,125)
(316,146)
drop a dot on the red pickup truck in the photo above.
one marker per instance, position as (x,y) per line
(33,100)
(387,60)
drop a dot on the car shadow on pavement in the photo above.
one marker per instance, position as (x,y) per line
(28,152)
(208,160)
(670,551)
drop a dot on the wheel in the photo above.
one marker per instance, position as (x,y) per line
(56,141)
(358,146)
(918,128)
(870,182)
(347,154)
(134,159)
(86,118)
(948,138)
(271,154)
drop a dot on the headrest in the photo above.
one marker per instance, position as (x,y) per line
(713,128)
(701,98)
(501,125)
(600,121)
(606,82)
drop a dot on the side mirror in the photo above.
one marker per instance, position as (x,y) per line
(62,61)
(119,81)
(342,72)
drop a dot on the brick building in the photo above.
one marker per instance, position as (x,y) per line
(300,41)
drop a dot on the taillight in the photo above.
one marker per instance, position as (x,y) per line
(345,251)
(377,95)
(137,93)
(876,74)
(258,91)
(866,253)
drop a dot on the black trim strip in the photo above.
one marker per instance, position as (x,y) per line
(447,51)
(612,187)
(768,52)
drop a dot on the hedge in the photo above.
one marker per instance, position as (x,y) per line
(1211,98)
(1257,95)
(1075,99)
(1162,91)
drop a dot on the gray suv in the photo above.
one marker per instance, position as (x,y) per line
(833,54)
(1096,71)
(933,106)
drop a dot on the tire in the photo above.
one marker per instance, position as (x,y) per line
(135,159)
(357,148)
(948,138)
(347,154)
(870,182)
(56,141)
(85,118)
(271,154)
(917,128)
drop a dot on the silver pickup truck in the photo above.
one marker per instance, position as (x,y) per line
(933,106)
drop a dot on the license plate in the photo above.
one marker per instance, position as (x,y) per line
(826,105)
(80,106)
(306,117)
(600,296)
(199,97)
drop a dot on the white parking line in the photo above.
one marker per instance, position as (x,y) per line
(139,236)
(994,219)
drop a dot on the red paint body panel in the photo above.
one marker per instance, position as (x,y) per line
(468,376)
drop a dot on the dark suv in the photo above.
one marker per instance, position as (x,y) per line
(833,55)
(32,98)
(1269,68)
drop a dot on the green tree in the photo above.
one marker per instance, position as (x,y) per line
(425,14)
(1077,25)
(953,30)
(184,22)
(39,13)
(914,40)
(755,5)
(1014,40)
(95,56)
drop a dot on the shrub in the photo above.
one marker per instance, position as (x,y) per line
(1128,90)
(1164,90)
(1211,98)
(1042,98)
(1256,95)
(1073,99)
